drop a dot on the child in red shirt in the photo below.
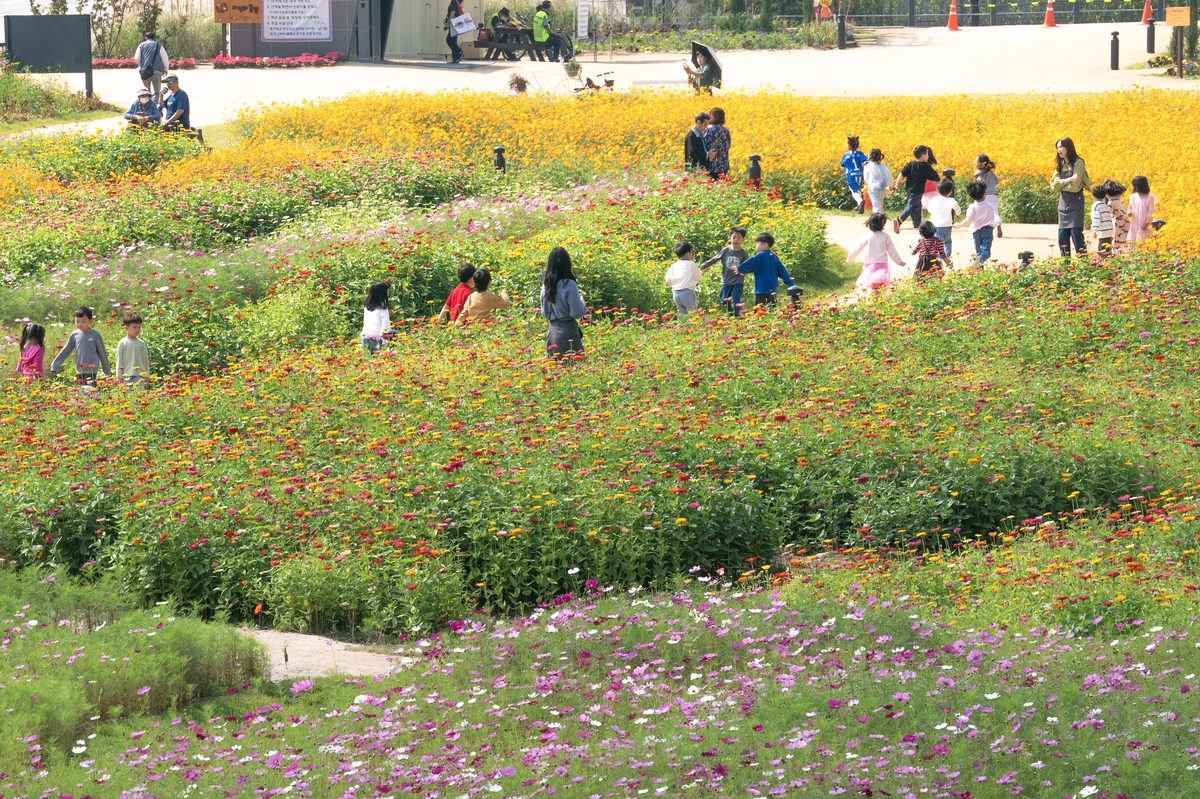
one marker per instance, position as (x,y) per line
(458,297)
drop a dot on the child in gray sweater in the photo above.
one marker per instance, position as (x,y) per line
(88,346)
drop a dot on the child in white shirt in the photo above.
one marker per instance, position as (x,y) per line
(683,276)
(982,218)
(874,249)
(1102,221)
(942,210)
(377,319)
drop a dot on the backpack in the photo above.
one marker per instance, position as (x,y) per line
(146,71)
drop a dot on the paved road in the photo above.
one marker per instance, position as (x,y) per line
(905,61)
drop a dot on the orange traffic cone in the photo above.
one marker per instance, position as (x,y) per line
(952,23)
(1147,12)
(867,204)
(1050,15)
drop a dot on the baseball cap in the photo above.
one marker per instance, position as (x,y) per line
(170,79)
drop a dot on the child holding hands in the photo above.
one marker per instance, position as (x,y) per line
(982,218)
(874,249)
(88,346)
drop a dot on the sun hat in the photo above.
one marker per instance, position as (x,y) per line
(141,92)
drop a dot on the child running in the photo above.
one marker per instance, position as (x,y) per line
(768,270)
(930,251)
(33,351)
(853,161)
(483,303)
(1102,225)
(1141,209)
(874,249)
(1116,209)
(377,317)
(88,346)
(731,280)
(942,211)
(982,218)
(916,174)
(878,179)
(133,361)
(985,173)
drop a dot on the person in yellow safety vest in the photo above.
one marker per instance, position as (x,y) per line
(542,33)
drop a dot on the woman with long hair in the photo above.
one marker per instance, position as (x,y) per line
(1070,180)
(562,306)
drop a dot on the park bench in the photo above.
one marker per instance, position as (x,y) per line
(519,42)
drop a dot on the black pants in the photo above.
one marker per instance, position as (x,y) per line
(556,45)
(456,52)
(1069,236)
(912,208)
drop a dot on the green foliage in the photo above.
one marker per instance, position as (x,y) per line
(218,211)
(58,526)
(24,97)
(100,158)
(1027,201)
(79,674)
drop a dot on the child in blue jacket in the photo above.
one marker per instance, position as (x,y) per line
(768,270)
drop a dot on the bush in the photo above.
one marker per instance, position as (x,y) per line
(58,526)
(70,159)
(1028,200)
(25,97)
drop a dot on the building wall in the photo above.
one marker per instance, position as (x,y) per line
(246,40)
(415,29)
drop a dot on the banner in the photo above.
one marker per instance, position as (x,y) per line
(228,12)
(581,19)
(297,21)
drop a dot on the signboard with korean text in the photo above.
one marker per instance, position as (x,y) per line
(297,21)
(1178,16)
(229,12)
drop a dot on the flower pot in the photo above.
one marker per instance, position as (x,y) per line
(573,72)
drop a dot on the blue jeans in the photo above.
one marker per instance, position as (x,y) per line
(1066,236)
(372,344)
(943,234)
(731,296)
(983,245)
(913,209)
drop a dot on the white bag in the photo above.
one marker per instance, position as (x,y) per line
(462,24)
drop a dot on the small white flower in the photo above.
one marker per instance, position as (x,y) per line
(573,571)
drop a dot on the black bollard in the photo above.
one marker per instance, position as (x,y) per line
(499,160)
(1116,51)
(754,173)
(1150,36)
(1075,12)
(993,14)
(1025,257)
(841,25)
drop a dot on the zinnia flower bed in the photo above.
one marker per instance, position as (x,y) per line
(289,62)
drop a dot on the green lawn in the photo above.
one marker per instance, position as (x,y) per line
(12,128)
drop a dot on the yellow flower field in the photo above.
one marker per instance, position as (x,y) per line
(1119,135)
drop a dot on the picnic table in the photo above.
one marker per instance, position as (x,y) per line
(514,40)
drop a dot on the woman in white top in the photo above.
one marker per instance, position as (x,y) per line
(376,319)
(873,250)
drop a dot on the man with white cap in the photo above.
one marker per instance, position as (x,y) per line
(145,111)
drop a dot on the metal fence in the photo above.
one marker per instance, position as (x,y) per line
(933,13)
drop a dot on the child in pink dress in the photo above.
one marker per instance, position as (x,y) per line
(873,250)
(1141,209)
(33,352)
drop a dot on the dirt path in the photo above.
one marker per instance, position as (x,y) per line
(295,656)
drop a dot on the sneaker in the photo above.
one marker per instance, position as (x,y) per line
(896,224)
(861,206)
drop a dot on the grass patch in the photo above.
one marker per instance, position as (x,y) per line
(13,128)
(833,276)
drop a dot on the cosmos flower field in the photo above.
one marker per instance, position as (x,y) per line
(941,542)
